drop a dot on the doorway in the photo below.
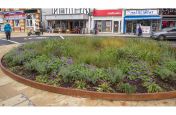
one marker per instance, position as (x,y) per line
(116,26)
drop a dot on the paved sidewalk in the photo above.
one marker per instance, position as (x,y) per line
(13,93)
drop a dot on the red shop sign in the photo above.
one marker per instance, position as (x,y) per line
(107,12)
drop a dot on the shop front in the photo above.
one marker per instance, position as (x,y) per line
(33,19)
(149,20)
(67,20)
(16,20)
(168,17)
(107,21)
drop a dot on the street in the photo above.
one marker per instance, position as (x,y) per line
(4,42)
(25,39)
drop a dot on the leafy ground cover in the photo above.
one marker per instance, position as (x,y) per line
(106,64)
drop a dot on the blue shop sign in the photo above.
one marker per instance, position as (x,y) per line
(141,12)
(142,17)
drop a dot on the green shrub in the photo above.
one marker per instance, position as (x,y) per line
(80,84)
(39,64)
(138,69)
(78,72)
(165,73)
(115,75)
(55,81)
(104,87)
(42,78)
(54,64)
(19,57)
(153,87)
(171,65)
(127,88)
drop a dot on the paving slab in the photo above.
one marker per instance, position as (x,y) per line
(13,100)
(6,91)
(17,86)
(25,103)
(5,80)
(45,98)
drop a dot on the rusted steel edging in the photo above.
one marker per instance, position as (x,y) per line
(89,94)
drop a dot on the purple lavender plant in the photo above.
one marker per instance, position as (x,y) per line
(69,61)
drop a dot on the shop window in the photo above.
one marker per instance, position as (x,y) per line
(29,21)
(108,26)
(16,23)
(104,25)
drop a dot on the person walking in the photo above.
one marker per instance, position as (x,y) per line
(7,30)
(95,29)
(139,31)
(41,29)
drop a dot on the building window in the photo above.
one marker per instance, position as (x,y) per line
(16,23)
(62,11)
(77,11)
(104,25)
(29,21)
(108,26)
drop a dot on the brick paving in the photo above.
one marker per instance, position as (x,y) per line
(13,93)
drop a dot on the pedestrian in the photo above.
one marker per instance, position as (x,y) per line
(48,29)
(7,30)
(76,30)
(41,28)
(95,29)
(139,31)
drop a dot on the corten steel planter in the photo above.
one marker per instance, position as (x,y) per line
(89,94)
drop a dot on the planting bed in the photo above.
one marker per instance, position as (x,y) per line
(110,65)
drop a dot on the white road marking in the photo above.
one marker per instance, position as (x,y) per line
(61,37)
(41,37)
(27,38)
(11,41)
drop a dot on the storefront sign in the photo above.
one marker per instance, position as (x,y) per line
(168,11)
(107,12)
(141,12)
(15,17)
(145,29)
(71,11)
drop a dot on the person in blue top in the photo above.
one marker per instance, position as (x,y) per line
(7,30)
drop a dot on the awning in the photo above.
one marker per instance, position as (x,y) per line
(142,17)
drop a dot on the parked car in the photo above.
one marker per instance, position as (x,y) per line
(166,33)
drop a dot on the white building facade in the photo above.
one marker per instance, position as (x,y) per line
(107,20)
(67,20)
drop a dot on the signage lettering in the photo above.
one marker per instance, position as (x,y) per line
(107,12)
(70,11)
(141,12)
